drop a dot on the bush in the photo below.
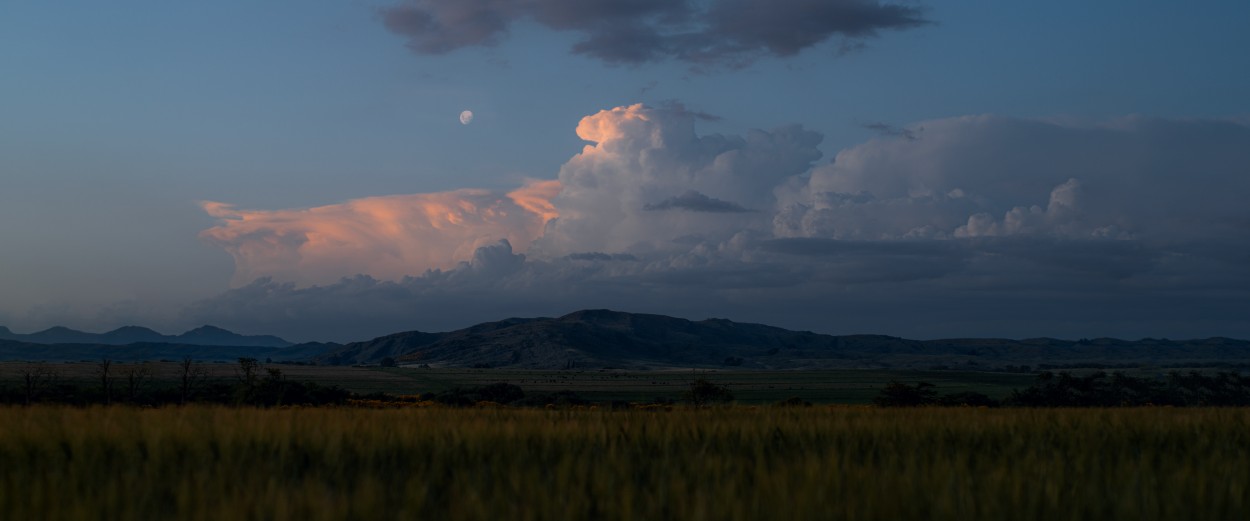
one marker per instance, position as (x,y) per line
(966,399)
(703,392)
(559,398)
(503,393)
(1117,390)
(898,394)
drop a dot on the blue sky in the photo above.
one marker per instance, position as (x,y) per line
(116,122)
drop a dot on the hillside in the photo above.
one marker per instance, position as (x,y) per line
(603,338)
(612,339)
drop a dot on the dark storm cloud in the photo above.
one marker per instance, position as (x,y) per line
(693,201)
(829,247)
(785,28)
(1000,287)
(446,26)
(720,32)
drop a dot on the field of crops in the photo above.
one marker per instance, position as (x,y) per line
(728,463)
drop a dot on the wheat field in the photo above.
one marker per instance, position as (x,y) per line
(715,464)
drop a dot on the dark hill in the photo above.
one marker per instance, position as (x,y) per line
(603,338)
(215,336)
(591,338)
(57,335)
(130,335)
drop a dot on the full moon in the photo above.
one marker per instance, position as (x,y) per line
(466,117)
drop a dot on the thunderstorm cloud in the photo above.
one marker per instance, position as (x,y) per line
(988,225)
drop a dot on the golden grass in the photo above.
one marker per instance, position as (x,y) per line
(733,463)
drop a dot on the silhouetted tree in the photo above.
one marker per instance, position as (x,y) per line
(1102,390)
(966,399)
(500,393)
(388,362)
(190,376)
(248,371)
(136,378)
(272,390)
(103,372)
(35,379)
(505,393)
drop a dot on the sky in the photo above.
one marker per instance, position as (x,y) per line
(915,168)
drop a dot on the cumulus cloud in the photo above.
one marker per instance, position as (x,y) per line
(987,226)
(389,236)
(719,32)
(642,156)
(1149,179)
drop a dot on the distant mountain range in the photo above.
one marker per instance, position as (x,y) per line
(200,336)
(611,339)
(603,338)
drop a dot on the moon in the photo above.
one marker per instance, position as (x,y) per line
(466,117)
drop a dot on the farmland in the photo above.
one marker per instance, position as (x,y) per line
(738,462)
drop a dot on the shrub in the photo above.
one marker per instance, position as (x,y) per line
(703,392)
(898,394)
(966,399)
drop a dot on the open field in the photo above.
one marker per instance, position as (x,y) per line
(749,387)
(852,386)
(732,463)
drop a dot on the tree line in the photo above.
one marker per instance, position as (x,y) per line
(256,384)
(1099,389)
(253,384)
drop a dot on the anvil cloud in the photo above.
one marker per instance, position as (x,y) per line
(986,224)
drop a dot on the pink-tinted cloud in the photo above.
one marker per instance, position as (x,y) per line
(387,237)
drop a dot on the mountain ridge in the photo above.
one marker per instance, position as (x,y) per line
(206,335)
(612,339)
(600,338)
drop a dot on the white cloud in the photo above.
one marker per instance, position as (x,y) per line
(978,225)
(986,175)
(642,158)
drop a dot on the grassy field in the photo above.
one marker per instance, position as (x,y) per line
(749,387)
(731,463)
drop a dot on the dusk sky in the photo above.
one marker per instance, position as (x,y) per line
(915,168)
